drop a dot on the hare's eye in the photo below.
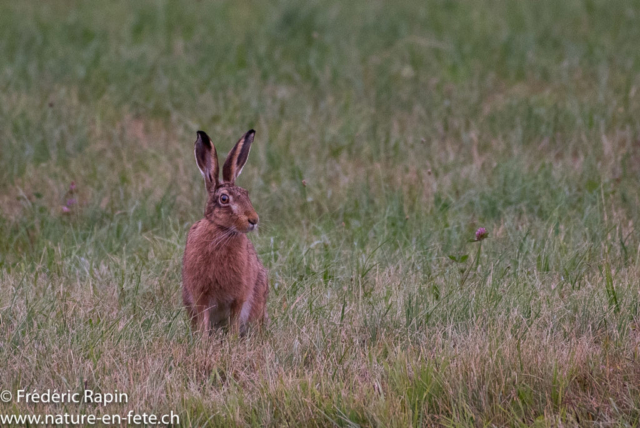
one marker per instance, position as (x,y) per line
(224,199)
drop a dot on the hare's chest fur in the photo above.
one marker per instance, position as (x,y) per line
(218,272)
(226,270)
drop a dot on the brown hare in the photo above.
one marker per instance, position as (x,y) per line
(223,282)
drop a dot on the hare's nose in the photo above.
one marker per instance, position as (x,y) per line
(253,221)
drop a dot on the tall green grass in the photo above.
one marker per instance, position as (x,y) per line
(387,133)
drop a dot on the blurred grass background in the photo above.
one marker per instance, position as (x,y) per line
(412,123)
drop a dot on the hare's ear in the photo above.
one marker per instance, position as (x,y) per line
(207,160)
(237,157)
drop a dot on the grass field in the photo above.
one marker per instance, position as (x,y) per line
(387,133)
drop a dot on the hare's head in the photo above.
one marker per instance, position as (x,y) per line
(228,205)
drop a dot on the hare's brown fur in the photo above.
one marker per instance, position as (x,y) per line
(222,278)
